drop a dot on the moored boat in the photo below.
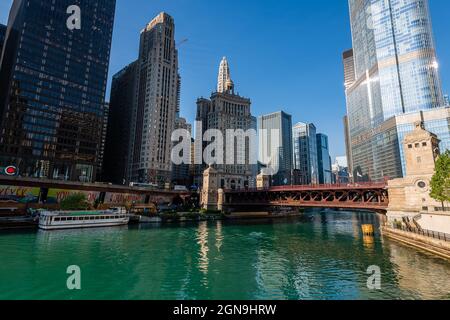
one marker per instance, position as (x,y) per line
(55,220)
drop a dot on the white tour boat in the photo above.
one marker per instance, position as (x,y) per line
(81,219)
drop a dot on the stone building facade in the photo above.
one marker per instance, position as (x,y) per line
(226,110)
(410,202)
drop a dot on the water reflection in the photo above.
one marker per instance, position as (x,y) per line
(421,275)
(202,241)
(321,256)
(219,235)
(369,243)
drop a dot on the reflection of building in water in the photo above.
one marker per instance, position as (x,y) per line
(369,242)
(425,278)
(219,235)
(202,241)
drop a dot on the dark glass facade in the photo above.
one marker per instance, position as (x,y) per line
(2,37)
(324,159)
(120,113)
(282,123)
(52,88)
(305,153)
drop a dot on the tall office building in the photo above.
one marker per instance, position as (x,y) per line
(2,38)
(349,68)
(305,153)
(101,155)
(446,100)
(281,148)
(395,73)
(123,90)
(52,88)
(157,103)
(324,159)
(227,110)
(348,149)
(181,172)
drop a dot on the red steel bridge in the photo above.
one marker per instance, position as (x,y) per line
(370,196)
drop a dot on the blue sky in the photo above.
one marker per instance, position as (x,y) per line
(283,54)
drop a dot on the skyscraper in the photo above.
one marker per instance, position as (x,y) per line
(157,103)
(305,153)
(282,122)
(117,148)
(349,68)
(348,149)
(395,73)
(446,100)
(223,111)
(180,172)
(324,159)
(2,38)
(52,88)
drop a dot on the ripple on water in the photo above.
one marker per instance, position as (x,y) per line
(325,257)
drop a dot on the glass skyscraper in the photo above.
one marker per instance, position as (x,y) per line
(395,73)
(52,88)
(282,122)
(324,159)
(306,161)
(118,139)
(2,38)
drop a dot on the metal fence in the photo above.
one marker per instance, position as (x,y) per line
(425,233)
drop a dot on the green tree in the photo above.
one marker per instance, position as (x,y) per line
(77,201)
(440,184)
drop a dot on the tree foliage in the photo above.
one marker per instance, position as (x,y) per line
(76,201)
(440,184)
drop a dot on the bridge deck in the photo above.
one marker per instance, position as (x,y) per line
(371,196)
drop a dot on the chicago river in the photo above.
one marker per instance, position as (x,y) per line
(322,255)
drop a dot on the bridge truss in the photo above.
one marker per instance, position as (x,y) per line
(358,196)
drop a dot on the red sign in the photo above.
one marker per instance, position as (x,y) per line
(11,171)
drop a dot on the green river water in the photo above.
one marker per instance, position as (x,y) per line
(322,255)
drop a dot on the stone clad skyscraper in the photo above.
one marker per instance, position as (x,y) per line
(227,110)
(391,71)
(224,82)
(156,105)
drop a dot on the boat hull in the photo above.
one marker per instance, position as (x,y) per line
(84,225)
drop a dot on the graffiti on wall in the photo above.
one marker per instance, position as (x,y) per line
(58,195)
(13,194)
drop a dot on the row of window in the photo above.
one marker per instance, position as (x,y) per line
(88,218)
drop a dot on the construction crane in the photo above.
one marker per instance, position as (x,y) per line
(182,42)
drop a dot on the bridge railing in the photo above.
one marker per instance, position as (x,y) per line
(359,185)
(423,232)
